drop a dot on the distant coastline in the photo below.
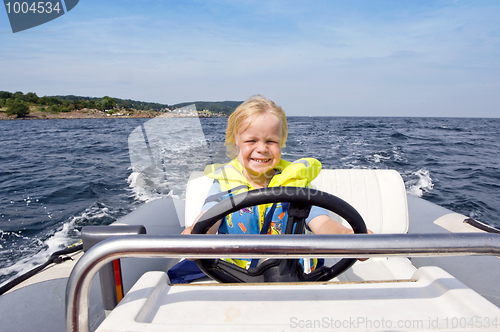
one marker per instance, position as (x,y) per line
(20,106)
(97,114)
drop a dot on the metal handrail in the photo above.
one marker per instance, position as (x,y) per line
(258,246)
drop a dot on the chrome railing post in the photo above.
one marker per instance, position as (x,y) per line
(257,246)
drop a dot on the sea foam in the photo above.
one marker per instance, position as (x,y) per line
(419,182)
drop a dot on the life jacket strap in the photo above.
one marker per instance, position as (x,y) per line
(267,222)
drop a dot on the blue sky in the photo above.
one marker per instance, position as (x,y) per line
(332,58)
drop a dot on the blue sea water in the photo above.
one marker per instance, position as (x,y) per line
(59,175)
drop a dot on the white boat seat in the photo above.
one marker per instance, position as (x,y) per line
(378,195)
(196,193)
(380,198)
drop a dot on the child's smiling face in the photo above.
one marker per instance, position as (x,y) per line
(260,148)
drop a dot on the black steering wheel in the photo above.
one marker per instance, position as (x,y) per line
(278,270)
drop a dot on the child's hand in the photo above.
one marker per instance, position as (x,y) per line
(212,230)
(187,230)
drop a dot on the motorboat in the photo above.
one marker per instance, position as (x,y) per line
(427,268)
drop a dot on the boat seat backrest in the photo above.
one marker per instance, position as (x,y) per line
(378,195)
(196,193)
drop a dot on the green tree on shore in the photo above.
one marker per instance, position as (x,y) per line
(17,107)
(106,103)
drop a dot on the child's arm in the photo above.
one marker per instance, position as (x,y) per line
(323,224)
(212,230)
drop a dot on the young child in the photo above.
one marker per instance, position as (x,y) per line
(256,132)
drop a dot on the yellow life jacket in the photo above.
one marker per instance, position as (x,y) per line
(250,220)
(299,173)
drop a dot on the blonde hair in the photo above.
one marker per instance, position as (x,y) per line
(250,109)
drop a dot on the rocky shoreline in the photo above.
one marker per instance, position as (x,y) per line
(88,114)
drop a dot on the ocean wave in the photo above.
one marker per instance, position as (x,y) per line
(142,191)
(378,158)
(419,182)
(449,128)
(34,251)
(32,256)
(400,136)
